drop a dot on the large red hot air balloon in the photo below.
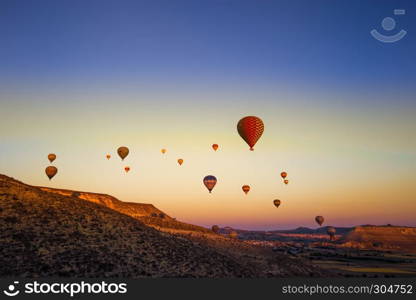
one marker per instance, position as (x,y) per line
(127,169)
(210,181)
(283,174)
(180,161)
(250,129)
(215,147)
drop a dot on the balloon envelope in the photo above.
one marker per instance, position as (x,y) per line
(245,188)
(108,156)
(331,232)
(215,147)
(319,220)
(127,169)
(163,151)
(51,157)
(51,172)
(283,174)
(210,181)
(180,161)
(276,202)
(123,152)
(286,181)
(250,129)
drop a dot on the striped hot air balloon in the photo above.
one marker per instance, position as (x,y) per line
(210,181)
(250,129)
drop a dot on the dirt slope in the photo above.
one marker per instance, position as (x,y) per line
(51,234)
(146,213)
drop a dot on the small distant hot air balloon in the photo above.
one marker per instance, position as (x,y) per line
(286,181)
(319,220)
(276,202)
(163,151)
(215,147)
(283,174)
(51,157)
(127,169)
(108,156)
(180,161)
(210,181)
(51,172)
(123,152)
(246,188)
(331,232)
(250,129)
(215,228)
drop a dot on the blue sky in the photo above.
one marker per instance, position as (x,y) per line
(208,42)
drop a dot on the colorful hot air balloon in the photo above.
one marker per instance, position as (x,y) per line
(319,220)
(51,172)
(246,188)
(108,156)
(331,232)
(276,202)
(215,147)
(250,129)
(283,174)
(210,181)
(127,169)
(163,151)
(51,157)
(123,152)
(180,161)
(286,181)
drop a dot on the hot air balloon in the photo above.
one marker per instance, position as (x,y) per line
(319,220)
(250,129)
(210,181)
(163,151)
(246,188)
(180,161)
(108,156)
(276,202)
(283,174)
(51,172)
(127,169)
(51,157)
(215,228)
(215,147)
(331,232)
(123,152)
(286,181)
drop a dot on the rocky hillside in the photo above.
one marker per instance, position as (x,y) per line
(56,234)
(387,237)
(146,213)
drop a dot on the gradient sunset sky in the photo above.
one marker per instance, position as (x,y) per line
(81,78)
